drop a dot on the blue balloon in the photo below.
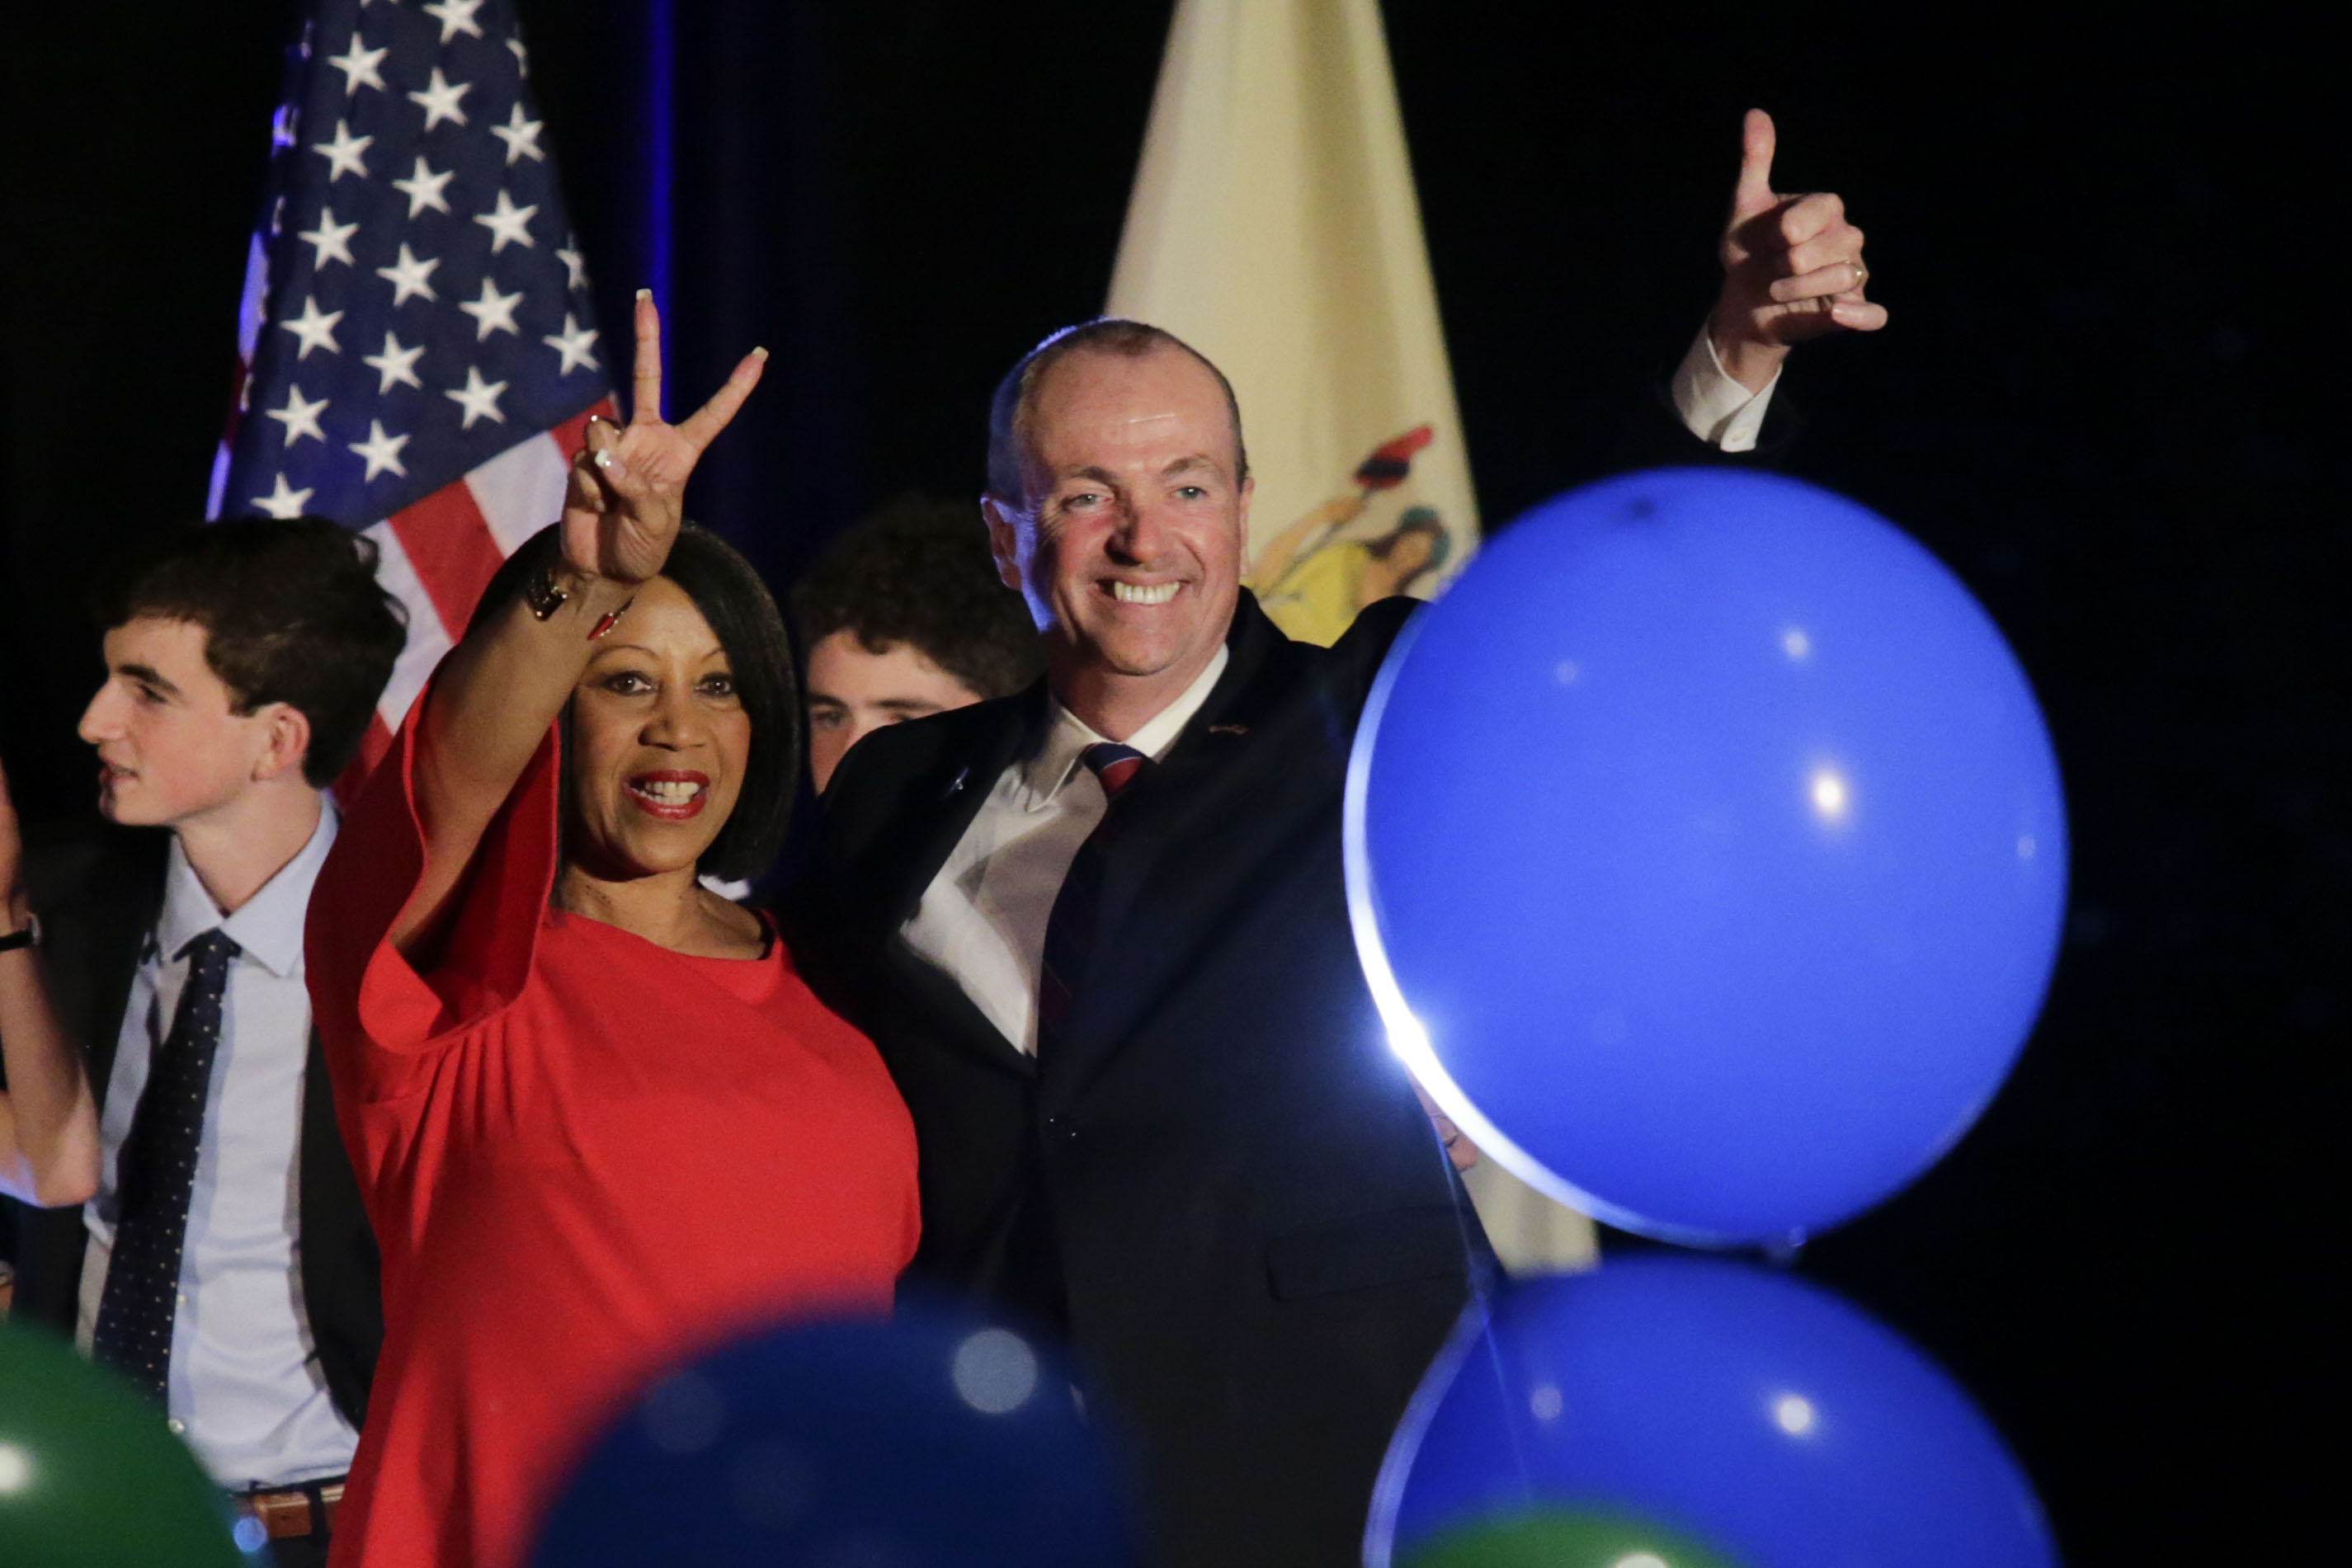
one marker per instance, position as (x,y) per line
(924,1441)
(1764,1417)
(1707,854)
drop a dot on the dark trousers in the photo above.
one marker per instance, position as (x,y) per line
(300,1550)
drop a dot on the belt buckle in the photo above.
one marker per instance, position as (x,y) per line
(286,1512)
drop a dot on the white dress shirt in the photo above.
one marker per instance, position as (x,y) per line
(984,917)
(244,1389)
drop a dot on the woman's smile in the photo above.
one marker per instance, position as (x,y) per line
(671,794)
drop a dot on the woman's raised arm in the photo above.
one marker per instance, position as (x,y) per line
(493,697)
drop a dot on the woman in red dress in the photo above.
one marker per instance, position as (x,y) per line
(598,1120)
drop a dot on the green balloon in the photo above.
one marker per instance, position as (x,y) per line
(1563,1537)
(91,1476)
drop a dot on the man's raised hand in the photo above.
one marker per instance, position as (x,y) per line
(1792,269)
(627,492)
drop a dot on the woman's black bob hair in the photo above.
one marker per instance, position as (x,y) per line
(742,616)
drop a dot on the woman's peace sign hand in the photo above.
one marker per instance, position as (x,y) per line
(627,494)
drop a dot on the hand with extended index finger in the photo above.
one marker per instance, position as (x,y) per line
(627,494)
(1792,268)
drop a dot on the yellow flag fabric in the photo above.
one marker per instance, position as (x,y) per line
(1274,227)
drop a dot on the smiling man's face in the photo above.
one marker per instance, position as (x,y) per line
(1128,545)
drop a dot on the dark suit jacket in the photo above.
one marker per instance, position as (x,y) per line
(1221,1182)
(98,890)
(1222,1188)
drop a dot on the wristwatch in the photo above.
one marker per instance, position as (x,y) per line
(30,936)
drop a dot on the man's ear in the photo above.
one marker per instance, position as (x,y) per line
(1248,490)
(287,742)
(1004,540)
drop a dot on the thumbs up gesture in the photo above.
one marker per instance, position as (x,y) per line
(1792,269)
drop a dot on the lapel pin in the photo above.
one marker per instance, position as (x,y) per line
(956,783)
(1229,730)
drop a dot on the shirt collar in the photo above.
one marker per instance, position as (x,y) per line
(269,925)
(1067,736)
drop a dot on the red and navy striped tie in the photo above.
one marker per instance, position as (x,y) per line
(1070,930)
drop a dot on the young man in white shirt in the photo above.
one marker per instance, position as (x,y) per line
(222,1261)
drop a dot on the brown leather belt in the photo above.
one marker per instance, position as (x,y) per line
(305,1509)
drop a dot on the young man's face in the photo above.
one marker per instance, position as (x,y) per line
(853,691)
(172,747)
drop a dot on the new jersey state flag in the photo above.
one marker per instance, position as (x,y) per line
(418,355)
(1274,227)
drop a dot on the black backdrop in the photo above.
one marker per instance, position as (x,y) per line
(2104,401)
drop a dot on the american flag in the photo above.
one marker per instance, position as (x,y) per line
(418,352)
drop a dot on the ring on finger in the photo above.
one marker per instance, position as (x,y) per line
(1861,275)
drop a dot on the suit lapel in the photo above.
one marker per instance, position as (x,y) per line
(942,801)
(939,996)
(956,793)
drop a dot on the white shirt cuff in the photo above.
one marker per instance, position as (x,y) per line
(1718,410)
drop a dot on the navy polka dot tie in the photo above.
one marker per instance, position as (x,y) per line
(157,1173)
(1070,930)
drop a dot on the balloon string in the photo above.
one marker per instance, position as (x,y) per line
(1482,1273)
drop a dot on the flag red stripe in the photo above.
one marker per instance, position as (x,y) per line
(452,550)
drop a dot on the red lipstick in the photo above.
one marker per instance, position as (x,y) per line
(671,794)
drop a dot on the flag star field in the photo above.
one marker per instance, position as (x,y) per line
(417,346)
(422,299)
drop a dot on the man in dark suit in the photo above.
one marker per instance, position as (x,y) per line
(162,947)
(1098,931)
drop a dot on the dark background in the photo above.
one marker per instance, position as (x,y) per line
(2108,399)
